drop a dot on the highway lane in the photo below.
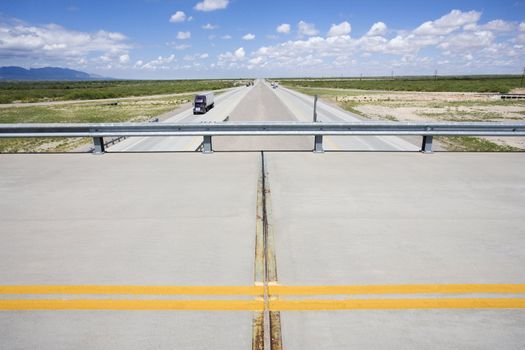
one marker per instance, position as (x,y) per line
(224,105)
(153,219)
(302,107)
(261,104)
(384,219)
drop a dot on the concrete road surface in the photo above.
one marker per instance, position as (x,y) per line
(224,105)
(261,104)
(301,106)
(127,219)
(394,219)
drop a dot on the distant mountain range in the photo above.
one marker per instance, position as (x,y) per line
(46,73)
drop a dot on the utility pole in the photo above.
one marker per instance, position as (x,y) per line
(436,75)
(522,75)
(392,75)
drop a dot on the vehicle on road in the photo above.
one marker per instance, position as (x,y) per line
(203,102)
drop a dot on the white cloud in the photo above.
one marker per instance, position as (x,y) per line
(307,29)
(240,53)
(226,37)
(248,36)
(203,56)
(183,35)
(209,26)
(124,58)
(378,29)
(450,22)
(158,63)
(178,16)
(231,59)
(499,25)
(181,47)
(54,42)
(211,5)
(190,18)
(283,28)
(343,28)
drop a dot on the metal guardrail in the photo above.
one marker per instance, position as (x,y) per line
(210,129)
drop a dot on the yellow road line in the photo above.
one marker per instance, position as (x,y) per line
(398,289)
(138,304)
(143,290)
(258,305)
(396,304)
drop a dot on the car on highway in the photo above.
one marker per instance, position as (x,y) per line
(203,102)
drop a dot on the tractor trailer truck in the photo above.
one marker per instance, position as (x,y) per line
(203,103)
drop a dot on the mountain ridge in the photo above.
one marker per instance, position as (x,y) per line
(46,73)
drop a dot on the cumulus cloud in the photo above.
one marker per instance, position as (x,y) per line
(248,36)
(343,28)
(178,16)
(377,29)
(231,59)
(124,58)
(54,42)
(183,35)
(307,29)
(456,37)
(158,63)
(211,5)
(448,23)
(283,28)
(209,26)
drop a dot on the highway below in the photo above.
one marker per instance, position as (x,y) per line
(263,103)
(141,248)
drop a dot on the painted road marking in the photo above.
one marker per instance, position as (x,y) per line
(272,303)
(397,304)
(144,290)
(273,289)
(398,289)
(259,305)
(135,304)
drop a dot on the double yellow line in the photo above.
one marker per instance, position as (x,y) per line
(276,303)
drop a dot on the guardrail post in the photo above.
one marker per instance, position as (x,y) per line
(318,148)
(206,145)
(426,146)
(318,142)
(98,142)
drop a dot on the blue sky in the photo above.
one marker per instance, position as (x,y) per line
(161,39)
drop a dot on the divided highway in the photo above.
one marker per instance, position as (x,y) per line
(262,103)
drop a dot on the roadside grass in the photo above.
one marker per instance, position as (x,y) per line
(473,144)
(501,84)
(21,91)
(125,111)
(452,113)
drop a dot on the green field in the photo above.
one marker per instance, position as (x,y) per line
(92,90)
(501,84)
(90,112)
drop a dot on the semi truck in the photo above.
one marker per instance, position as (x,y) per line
(203,103)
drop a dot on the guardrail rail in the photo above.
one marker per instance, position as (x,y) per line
(209,129)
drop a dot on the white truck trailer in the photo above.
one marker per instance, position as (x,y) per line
(203,102)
